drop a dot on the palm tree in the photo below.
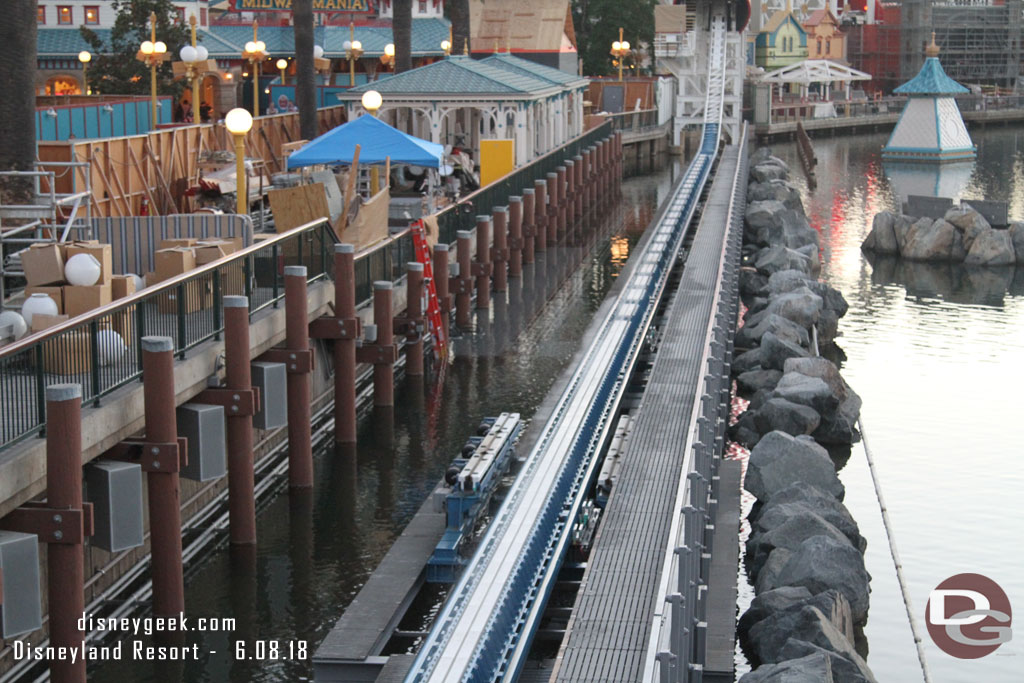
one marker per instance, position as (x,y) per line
(305,75)
(401,28)
(18,104)
(458,12)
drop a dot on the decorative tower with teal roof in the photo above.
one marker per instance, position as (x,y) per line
(931,127)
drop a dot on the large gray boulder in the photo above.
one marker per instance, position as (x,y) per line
(763,214)
(764,638)
(752,283)
(882,238)
(769,603)
(821,563)
(752,381)
(807,391)
(846,668)
(798,498)
(801,305)
(821,368)
(766,171)
(768,578)
(778,414)
(783,281)
(775,258)
(810,669)
(929,241)
(968,222)
(991,248)
(780,460)
(748,360)
(827,326)
(775,351)
(812,253)
(791,229)
(1016,231)
(782,327)
(796,529)
(778,190)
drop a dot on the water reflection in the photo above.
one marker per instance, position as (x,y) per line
(929,180)
(953,282)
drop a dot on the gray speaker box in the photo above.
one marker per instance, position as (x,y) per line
(115,491)
(272,381)
(204,427)
(22,610)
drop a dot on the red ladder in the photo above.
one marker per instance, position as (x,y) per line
(433,307)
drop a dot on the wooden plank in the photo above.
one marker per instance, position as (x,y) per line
(295,206)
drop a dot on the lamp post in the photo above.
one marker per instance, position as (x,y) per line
(193,57)
(353,50)
(371,101)
(151,53)
(255,52)
(620,49)
(239,122)
(84,57)
(282,64)
(388,58)
(446,45)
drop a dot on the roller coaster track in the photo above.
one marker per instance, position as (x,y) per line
(485,628)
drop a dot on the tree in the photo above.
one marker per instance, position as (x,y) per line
(401,29)
(114,69)
(305,74)
(458,14)
(597,25)
(18,104)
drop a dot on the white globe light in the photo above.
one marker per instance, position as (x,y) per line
(357,45)
(84,57)
(389,49)
(202,54)
(616,45)
(14,319)
(282,64)
(261,46)
(347,45)
(159,47)
(625,45)
(372,100)
(318,52)
(238,121)
(250,46)
(83,269)
(188,54)
(110,347)
(146,48)
(37,304)
(139,282)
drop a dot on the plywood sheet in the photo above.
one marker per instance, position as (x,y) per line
(295,206)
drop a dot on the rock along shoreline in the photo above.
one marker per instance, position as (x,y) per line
(805,554)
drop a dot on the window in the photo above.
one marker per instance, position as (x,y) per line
(819,46)
(64,15)
(202,16)
(92,14)
(828,47)
(41,15)
(423,6)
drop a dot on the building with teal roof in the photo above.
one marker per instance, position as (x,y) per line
(930,128)
(459,101)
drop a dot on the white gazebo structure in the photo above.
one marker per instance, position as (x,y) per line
(459,101)
(811,71)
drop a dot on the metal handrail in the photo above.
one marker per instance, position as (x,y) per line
(164,286)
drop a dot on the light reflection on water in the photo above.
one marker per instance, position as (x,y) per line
(316,552)
(937,354)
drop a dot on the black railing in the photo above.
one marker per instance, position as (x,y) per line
(462,214)
(101,350)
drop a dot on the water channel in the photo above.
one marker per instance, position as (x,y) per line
(315,554)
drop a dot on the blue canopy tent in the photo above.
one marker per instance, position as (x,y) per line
(377,141)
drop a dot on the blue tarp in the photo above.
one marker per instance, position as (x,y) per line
(377,141)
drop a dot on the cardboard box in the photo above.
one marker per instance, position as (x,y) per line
(121,286)
(179,242)
(55,293)
(198,295)
(40,321)
(104,253)
(207,253)
(79,299)
(174,261)
(232,279)
(64,246)
(43,264)
(68,354)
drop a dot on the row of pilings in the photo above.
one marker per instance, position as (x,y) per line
(549,215)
